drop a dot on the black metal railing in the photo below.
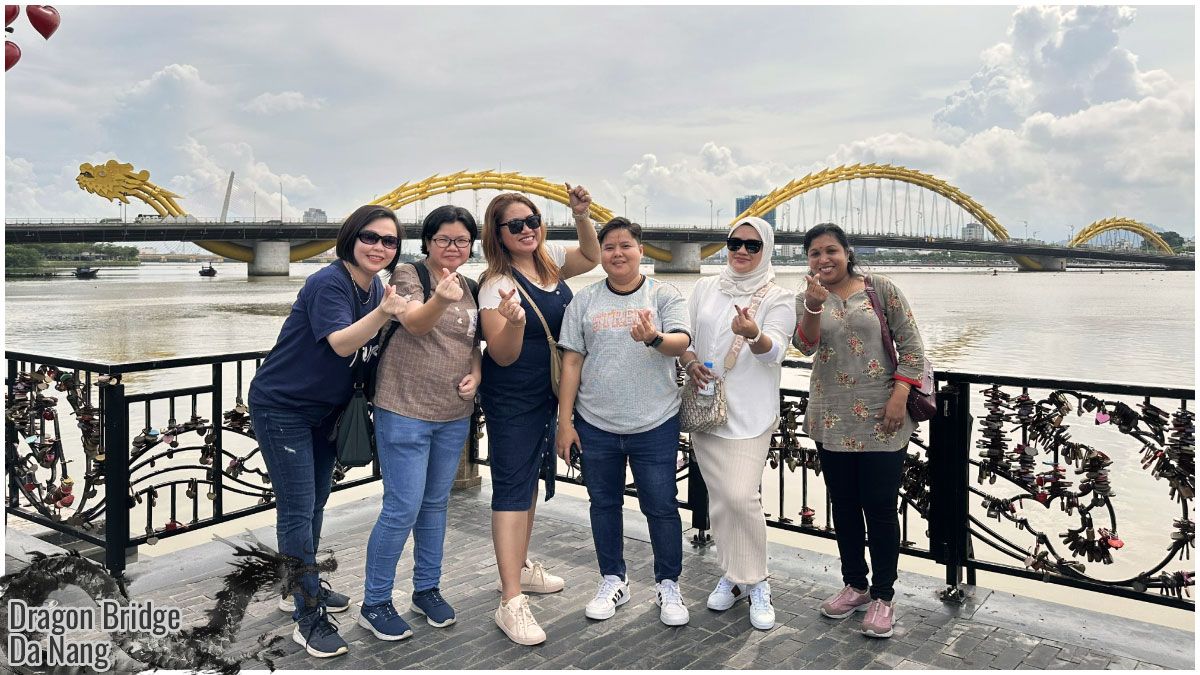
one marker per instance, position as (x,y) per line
(125,435)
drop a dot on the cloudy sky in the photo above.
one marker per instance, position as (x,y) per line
(1057,116)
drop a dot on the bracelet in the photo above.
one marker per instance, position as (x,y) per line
(581,215)
(690,364)
(816,312)
(756,337)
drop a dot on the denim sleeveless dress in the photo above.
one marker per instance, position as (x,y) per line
(519,406)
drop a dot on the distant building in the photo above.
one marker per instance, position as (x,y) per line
(973,232)
(315,216)
(746,202)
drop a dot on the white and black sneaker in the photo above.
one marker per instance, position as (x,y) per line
(671,611)
(613,593)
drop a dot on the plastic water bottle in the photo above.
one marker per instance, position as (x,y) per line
(707,392)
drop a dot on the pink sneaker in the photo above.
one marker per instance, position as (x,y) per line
(878,621)
(845,603)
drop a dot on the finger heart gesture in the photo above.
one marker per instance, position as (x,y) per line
(448,288)
(742,323)
(644,330)
(392,302)
(814,293)
(510,309)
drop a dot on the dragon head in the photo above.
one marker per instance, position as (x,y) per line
(112,180)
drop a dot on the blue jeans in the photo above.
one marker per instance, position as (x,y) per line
(651,457)
(299,455)
(418,460)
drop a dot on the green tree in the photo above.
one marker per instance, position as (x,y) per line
(17,256)
(1173,239)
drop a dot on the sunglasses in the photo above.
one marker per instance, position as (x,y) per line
(533,220)
(752,245)
(371,238)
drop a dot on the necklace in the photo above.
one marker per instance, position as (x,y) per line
(358,295)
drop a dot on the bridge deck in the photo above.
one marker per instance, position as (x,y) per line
(34,233)
(992,630)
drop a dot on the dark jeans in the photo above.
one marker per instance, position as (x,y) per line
(866,484)
(299,456)
(651,457)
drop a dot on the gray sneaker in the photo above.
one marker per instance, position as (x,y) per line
(318,637)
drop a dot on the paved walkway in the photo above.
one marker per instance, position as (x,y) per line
(992,630)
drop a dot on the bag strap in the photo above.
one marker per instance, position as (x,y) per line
(546,326)
(739,340)
(360,375)
(884,330)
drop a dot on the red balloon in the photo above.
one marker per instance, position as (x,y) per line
(10,13)
(45,19)
(12,54)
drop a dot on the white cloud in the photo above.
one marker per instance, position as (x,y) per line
(284,101)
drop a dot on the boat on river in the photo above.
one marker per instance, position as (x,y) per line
(86,272)
(208,271)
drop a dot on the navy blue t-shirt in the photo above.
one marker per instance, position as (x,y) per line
(302,369)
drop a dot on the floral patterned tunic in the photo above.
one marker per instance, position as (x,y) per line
(852,373)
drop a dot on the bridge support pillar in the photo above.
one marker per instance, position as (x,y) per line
(686,258)
(1040,263)
(271,259)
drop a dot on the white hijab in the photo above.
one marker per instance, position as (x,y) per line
(736,284)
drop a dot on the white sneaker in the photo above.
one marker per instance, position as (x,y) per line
(670,603)
(725,594)
(517,622)
(762,614)
(535,579)
(612,594)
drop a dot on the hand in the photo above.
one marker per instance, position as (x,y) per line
(511,309)
(643,331)
(699,374)
(742,323)
(581,201)
(467,387)
(393,303)
(448,288)
(814,294)
(894,411)
(565,438)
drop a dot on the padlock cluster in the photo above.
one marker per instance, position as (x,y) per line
(993,447)
(238,419)
(1096,544)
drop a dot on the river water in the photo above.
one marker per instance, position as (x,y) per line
(1116,326)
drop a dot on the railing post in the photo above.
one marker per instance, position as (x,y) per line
(698,501)
(218,421)
(949,454)
(116,477)
(468,470)
(11,436)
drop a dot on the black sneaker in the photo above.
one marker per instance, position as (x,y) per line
(319,637)
(438,613)
(334,602)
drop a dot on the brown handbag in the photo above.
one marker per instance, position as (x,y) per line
(922,402)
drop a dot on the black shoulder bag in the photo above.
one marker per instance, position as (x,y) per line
(354,434)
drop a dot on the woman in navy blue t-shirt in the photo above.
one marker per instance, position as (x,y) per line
(298,391)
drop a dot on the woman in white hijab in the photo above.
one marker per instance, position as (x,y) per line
(741,323)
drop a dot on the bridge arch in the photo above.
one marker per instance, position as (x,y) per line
(116,180)
(812,181)
(512,181)
(1109,224)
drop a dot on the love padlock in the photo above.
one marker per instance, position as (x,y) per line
(150,538)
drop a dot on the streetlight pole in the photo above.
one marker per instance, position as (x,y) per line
(719,212)
(1026,229)
(646,216)
(625,202)
(710,214)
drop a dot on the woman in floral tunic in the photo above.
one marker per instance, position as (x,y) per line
(857,414)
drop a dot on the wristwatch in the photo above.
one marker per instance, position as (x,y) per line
(658,340)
